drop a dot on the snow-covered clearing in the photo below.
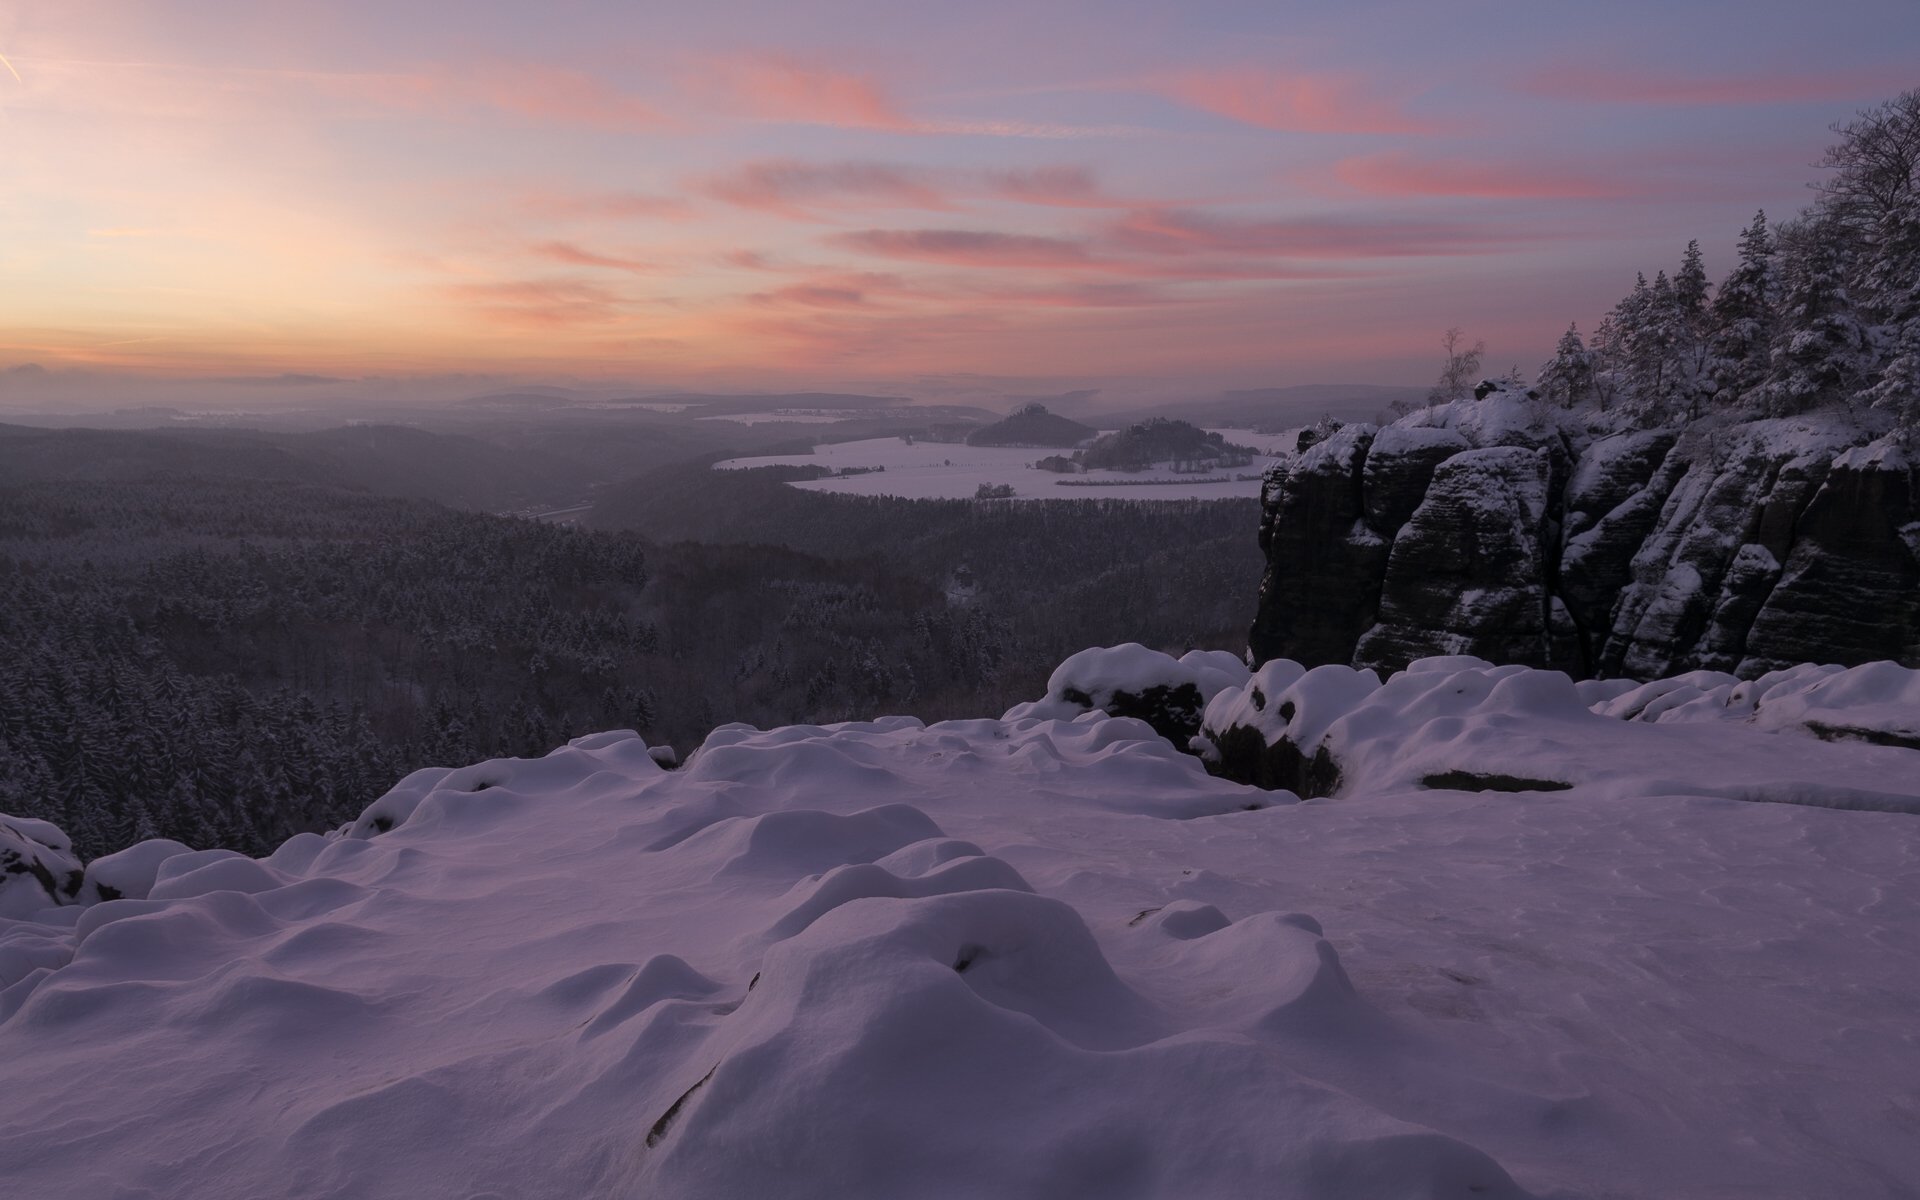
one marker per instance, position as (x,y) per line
(1011,958)
(952,471)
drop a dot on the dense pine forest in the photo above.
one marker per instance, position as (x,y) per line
(229,661)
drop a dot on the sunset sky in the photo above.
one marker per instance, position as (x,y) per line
(857,192)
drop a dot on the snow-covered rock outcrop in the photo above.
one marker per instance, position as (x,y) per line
(1130,680)
(1499,528)
(1463,723)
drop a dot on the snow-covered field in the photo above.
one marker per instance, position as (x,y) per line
(953,471)
(1015,958)
(811,416)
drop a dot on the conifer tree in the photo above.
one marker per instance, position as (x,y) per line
(1819,353)
(1743,319)
(1567,378)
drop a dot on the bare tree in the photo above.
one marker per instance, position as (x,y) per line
(1876,163)
(1462,365)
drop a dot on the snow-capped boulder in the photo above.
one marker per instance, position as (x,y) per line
(37,866)
(129,874)
(1167,693)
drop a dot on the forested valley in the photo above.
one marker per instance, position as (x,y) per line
(228,661)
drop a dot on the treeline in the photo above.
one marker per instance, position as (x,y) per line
(1820,312)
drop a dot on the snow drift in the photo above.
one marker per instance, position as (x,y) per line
(1030,957)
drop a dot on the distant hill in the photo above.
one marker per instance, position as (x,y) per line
(392,460)
(1032,425)
(1158,440)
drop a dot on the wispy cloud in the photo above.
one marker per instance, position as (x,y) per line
(1190,231)
(796,189)
(784,89)
(1291,101)
(540,303)
(1400,174)
(573,255)
(791,188)
(966,247)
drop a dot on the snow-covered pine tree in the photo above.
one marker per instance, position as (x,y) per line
(1651,334)
(1692,324)
(1820,352)
(1743,319)
(1566,379)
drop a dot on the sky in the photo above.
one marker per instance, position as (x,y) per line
(886,193)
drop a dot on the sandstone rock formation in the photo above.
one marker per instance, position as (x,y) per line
(1498,528)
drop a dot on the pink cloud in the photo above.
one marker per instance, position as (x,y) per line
(567,252)
(1065,187)
(802,190)
(540,303)
(1138,247)
(790,188)
(777,88)
(1083,295)
(1293,102)
(967,247)
(812,295)
(1628,86)
(1186,231)
(1399,174)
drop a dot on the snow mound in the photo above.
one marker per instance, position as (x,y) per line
(1132,681)
(1874,702)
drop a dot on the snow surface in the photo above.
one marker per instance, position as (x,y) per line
(954,471)
(1016,958)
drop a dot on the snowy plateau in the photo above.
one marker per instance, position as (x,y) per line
(1048,955)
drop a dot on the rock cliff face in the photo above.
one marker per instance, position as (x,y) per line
(1496,529)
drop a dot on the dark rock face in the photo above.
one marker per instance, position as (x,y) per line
(1849,591)
(1315,522)
(1467,574)
(1486,528)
